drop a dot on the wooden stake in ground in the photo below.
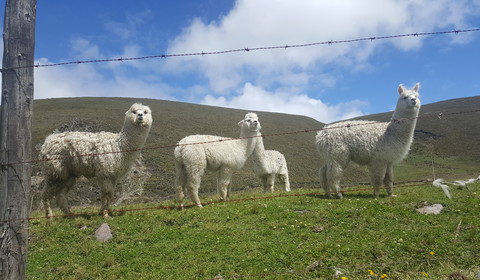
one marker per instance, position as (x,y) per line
(15,135)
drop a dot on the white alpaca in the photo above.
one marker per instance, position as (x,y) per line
(102,157)
(267,164)
(196,153)
(379,145)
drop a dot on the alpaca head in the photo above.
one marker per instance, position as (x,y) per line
(139,116)
(408,100)
(250,123)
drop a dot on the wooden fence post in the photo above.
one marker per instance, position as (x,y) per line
(15,135)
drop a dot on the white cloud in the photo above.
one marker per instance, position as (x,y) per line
(290,22)
(89,80)
(84,49)
(263,23)
(257,99)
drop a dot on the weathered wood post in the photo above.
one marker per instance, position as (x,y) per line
(15,135)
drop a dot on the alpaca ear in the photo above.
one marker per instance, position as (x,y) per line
(416,87)
(240,123)
(400,89)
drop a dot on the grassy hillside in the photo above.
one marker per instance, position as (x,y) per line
(449,141)
(299,235)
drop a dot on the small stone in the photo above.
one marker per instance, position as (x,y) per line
(314,265)
(103,233)
(432,209)
(318,228)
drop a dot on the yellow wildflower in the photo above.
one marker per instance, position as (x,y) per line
(371,272)
(344,278)
(432,253)
(425,274)
(383,276)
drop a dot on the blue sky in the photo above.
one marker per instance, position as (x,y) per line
(326,82)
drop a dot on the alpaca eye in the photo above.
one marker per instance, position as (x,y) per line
(145,112)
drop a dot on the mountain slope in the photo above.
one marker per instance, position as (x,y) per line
(445,130)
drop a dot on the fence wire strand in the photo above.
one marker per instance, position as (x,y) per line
(438,115)
(401,185)
(193,54)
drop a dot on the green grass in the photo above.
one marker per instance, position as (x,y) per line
(269,238)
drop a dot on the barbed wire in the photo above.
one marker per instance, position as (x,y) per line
(203,53)
(438,115)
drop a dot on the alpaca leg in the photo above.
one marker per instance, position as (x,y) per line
(224,177)
(388,180)
(106,197)
(323,179)
(180,194)
(229,187)
(49,191)
(63,188)
(334,174)
(62,201)
(229,190)
(192,186)
(180,186)
(264,183)
(377,175)
(285,181)
(271,183)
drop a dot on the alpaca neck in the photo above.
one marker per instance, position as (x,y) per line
(253,142)
(258,155)
(403,114)
(402,124)
(132,136)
